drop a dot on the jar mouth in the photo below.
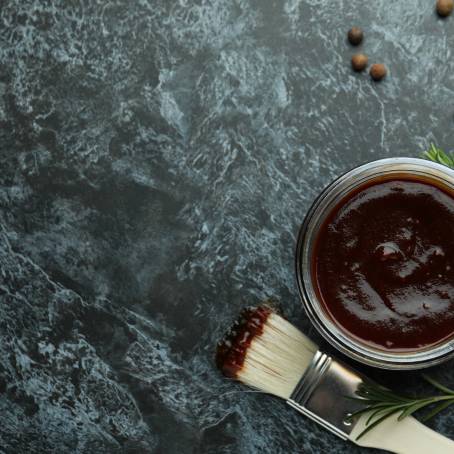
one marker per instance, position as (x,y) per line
(333,194)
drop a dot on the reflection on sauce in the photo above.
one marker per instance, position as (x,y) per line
(384,265)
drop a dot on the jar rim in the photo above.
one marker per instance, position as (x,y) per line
(317,213)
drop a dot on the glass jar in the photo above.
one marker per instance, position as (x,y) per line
(331,196)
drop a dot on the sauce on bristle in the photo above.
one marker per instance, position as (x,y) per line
(231,351)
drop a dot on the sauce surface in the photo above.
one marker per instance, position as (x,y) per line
(383,265)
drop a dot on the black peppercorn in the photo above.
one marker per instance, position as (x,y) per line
(355,36)
(377,71)
(359,62)
(445,7)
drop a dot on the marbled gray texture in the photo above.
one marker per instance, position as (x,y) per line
(156,160)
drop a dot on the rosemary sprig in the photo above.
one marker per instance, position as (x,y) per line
(380,403)
(438,155)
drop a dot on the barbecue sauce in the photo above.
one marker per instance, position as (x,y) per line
(383,264)
(231,351)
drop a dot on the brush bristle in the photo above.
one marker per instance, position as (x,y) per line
(266,352)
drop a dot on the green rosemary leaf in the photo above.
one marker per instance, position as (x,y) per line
(371,391)
(375,423)
(412,408)
(438,155)
(437,409)
(375,392)
(367,409)
(380,411)
(438,385)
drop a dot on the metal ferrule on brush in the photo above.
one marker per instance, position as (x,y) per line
(325,394)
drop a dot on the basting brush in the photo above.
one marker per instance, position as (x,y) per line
(266,352)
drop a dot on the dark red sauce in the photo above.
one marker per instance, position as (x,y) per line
(384,264)
(231,351)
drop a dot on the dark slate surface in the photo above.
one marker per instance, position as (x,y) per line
(156,160)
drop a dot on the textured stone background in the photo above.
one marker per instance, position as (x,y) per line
(156,160)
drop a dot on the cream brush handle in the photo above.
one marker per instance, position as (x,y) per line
(402,437)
